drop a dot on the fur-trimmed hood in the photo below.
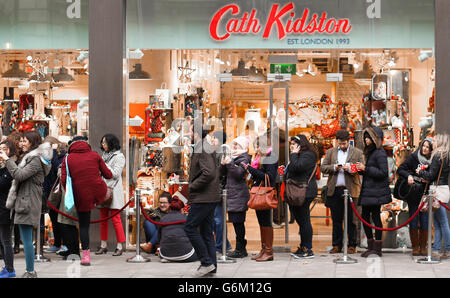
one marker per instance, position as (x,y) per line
(376,134)
(45,153)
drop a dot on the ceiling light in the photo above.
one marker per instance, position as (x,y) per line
(424,55)
(299,74)
(240,71)
(139,74)
(356,66)
(83,56)
(15,72)
(137,54)
(218,60)
(63,76)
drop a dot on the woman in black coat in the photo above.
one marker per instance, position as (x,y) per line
(59,152)
(416,187)
(5,214)
(265,163)
(375,189)
(302,165)
(238,193)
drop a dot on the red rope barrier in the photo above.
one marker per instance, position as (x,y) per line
(95,221)
(386,229)
(443,204)
(159,223)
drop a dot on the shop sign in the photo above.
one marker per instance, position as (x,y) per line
(284,19)
(249,92)
(283,68)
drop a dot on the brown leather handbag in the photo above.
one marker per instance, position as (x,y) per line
(263,198)
(296,191)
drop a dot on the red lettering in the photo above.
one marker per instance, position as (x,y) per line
(312,27)
(251,24)
(232,25)
(331,26)
(216,20)
(274,17)
(253,21)
(321,22)
(344,26)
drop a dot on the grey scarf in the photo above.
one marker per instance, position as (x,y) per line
(422,159)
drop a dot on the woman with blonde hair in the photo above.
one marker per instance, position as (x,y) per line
(439,166)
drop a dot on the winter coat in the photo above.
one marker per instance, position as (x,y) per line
(238,193)
(116,164)
(300,169)
(173,239)
(53,175)
(25,195)
(204,184)
(5,185)
(50,179)
(85,167)
(375,188)
(352,180)
(408,167)
(270,169)
(432,173)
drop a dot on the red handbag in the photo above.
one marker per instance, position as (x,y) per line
(263,198)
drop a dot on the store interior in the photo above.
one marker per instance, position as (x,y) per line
(48,90)
(45,90)
(391,88)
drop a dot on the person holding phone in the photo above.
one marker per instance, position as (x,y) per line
(238,193)
(341,177)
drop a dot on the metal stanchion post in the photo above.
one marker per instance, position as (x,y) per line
(345,259)
(429,259)
(138,258)
(38,257)
(224,258)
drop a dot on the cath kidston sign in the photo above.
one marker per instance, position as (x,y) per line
(283,19)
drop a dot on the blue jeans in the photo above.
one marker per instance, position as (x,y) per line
(441,229)
(151,232)
(26,234)
(218,228)
(199,228)
(422,218)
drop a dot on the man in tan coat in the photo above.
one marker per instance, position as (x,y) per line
(337,164)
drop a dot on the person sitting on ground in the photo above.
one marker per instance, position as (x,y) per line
(150,229)
(175,246)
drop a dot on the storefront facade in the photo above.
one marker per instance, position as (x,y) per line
(176,31)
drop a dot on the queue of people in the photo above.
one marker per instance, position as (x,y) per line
(30,168)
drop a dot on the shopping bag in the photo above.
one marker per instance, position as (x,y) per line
(68,197)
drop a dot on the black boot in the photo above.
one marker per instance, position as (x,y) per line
(240,251)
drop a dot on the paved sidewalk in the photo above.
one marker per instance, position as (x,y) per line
(393,264)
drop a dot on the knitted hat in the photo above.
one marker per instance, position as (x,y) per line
(176,204)
(242,141)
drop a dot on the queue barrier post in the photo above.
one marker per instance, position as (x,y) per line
(138,258)
(224,259)
(38,256)
(429,259)
(345,259)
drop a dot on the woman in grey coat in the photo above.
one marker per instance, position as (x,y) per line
(115,161)
(25,195)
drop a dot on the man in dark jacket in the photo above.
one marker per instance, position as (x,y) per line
(203,197)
